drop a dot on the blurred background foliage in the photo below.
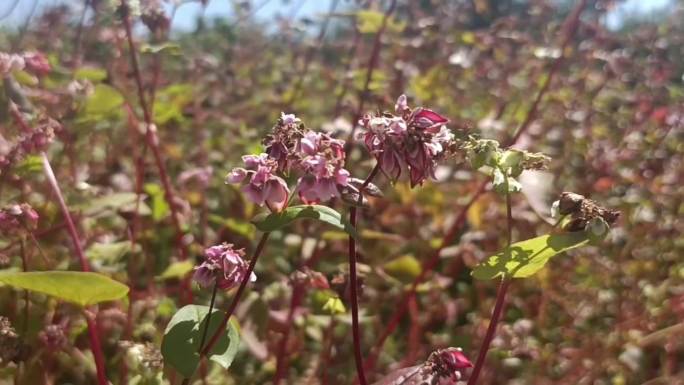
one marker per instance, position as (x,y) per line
(611,120)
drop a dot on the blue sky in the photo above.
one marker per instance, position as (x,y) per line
(186,16)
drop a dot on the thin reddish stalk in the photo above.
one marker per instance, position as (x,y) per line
(298,293)
(372,63)
(491,330)
(281,360)
(151,135)
(95,345)
(236,298)
(572,22)
(353,282)
(500,300)
(427,267)
(310,54)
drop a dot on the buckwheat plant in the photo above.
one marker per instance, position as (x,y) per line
(411,142)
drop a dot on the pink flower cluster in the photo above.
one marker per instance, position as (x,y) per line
(318,157)
(448,363)
(17,216)
(31,142)
(222,265)
(263,185)
(34,62)
(412,140)
(321,159)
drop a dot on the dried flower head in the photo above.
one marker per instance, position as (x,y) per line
(584,212)
(222,265)
(448,363)
(53,337)
(413,140)
(17,216)
(9,342)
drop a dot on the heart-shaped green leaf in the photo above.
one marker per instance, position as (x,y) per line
(275,221)
(523,259)
(81,288)
(184,333)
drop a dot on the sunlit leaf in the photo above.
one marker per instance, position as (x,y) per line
(525,258)
(81,288)
(104,100)
(90,73)
(108,202)
(160,208)
(183,335)
(405,268)
(275,221)
(176,270)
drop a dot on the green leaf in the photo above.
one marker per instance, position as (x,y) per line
(90,73)
(523,259)
(275,221)
(183,335)
(176,270)
(81,288)
(171,48)
(109,202)
(32,164)
(334,306)
(405,268)
(103,101)
(160,208)
(371,22)
(108,252)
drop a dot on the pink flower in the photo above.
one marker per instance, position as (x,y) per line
(224,266)
(37,63)
(10,62)
(413,141)
(401,105)
(449,362)
(321,159)
(263,186)
(17,216)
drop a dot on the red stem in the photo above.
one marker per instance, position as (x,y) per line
(572,22)
(430,265)
(151,134)
(95,345)
(372,63)
(491,330)
(353,282)
(281,360)
(236,299)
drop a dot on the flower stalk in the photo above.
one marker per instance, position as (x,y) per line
(353,281)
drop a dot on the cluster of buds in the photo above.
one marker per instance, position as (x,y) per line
(53,337)
(444,366)
(262,186)
(223,266)
(142,355)
(34,62)
(321,160)
(585,214)
(32,142)
(17,216)
(413,140)
(10,343)
(290,147)
(504,164)
(449,363)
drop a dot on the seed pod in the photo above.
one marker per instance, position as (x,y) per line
(370,189)
(350,195)
(569,203)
